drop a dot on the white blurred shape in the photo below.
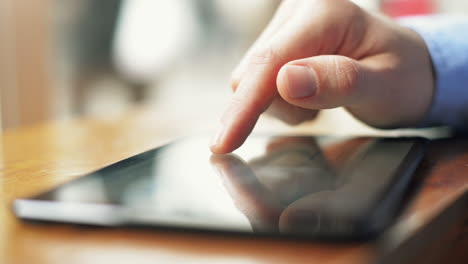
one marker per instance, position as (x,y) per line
(372,5)
(453,6)
(152,34)
(245,16)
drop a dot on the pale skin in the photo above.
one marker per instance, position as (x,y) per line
(321,54)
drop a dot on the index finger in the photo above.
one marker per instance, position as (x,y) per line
(257,88)
(255,93)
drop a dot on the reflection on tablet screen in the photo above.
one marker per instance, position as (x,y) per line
(294,186)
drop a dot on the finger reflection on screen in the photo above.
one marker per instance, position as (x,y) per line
(286,188)
(258,203)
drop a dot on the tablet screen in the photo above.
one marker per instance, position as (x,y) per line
(278,185)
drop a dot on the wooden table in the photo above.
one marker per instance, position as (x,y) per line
(432,229)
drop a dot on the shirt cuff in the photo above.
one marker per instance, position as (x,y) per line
(447,41)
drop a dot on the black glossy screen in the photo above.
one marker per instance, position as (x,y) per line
(294,186)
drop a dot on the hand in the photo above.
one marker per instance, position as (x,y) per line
(319,54)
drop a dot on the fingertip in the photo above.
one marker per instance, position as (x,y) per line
(237,123)
(219,149)
(218,144)
(226,145)
(226,140)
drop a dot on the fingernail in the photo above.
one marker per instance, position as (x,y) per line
(217,139)
(300,81)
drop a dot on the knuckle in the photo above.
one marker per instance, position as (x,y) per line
(347,72)
(345,6)
(346,10)
(264,57)
(350,7)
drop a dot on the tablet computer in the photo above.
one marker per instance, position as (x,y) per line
(319,187)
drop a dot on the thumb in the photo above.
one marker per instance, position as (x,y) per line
(326,82)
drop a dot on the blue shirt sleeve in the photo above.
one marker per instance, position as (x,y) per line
(447,40)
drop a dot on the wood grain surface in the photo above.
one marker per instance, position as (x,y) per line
(36,158)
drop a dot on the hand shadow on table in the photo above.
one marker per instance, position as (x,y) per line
(294,185)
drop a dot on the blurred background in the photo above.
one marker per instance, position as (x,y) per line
(169,61)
